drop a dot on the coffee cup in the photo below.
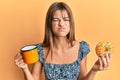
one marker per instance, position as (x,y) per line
(30,54)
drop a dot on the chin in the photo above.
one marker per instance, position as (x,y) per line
(62,35)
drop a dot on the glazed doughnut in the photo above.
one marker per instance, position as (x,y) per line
(103,48)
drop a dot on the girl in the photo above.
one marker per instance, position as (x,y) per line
(62,57)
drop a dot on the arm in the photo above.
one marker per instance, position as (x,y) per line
(83,71)
(36,70)
(101,64)
(35,74)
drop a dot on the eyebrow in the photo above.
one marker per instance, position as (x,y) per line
(63,18)
(66,18)
(55,18)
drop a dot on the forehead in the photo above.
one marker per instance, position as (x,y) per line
(60,13)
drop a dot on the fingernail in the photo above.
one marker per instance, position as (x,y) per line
(102,56)
(106,53)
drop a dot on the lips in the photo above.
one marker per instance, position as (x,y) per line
(61,28)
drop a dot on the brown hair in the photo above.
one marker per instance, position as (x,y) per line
(48,23)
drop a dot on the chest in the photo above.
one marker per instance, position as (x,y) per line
(61,57)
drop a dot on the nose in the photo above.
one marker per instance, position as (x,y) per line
(61,22)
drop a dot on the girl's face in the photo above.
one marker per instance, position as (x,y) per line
(60,23)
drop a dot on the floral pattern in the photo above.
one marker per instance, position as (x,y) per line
(63,71)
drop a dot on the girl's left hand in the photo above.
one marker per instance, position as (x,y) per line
(102,63)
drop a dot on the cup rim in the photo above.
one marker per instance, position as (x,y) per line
(28,49)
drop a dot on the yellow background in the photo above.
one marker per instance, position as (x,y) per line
(22,23)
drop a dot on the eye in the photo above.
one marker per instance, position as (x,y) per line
(55,19)
(66,19)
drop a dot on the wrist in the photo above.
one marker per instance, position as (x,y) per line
(25,69)
(93,71)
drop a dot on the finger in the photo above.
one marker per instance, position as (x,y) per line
(100,63)
(20,65)
(104,62)
(21,61)
(18,58)
(110,56)
(17,55)
(107,59)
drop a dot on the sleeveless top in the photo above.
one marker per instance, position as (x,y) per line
(64,71)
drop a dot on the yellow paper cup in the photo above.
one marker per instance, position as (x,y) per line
(30,54)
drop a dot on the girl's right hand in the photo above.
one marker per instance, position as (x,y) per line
(20,62)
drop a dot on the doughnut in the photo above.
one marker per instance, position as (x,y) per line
(103,48)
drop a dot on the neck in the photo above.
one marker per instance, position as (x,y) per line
(60,43)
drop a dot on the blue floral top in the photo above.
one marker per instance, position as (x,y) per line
(64,71)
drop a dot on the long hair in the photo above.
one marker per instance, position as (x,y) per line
(48,38)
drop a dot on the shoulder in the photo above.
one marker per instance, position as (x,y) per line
(83,49)
(84,46)
(84,43)
(40,52)
(42,49)
(74,43)
(81,43)
(39,47)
